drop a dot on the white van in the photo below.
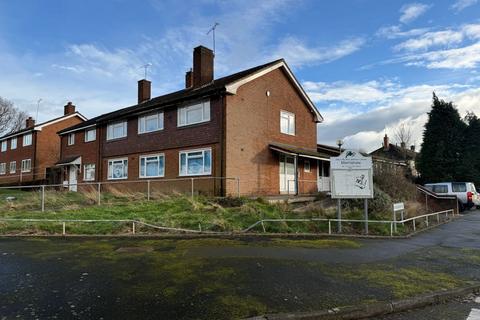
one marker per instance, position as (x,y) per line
(466,193)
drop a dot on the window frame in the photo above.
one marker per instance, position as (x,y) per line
(4,146)
(85,171)
(205,104)
(124,123)
(86,135)
(305,162)
(288,115)
(3,168)
(142,119)
(22,166)
(110,174)
(186,174)
(11,143)
(71,139)
(30,140)
(141,175)
(10,167)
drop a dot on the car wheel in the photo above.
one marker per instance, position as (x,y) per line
(461,207)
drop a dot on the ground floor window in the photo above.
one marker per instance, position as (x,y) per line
(89,172)
(3,168)
(117,169)
(13,167)
(26,165)
(196,162)
(306,165)
(152,166)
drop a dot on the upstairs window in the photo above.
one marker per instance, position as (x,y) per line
(287,123)
(196,162)
(196,113)
(13,143)
(3,168)
(13,167)
(71,139)
(90,135)
(26,165)
(4,146)
(150,122)
(117,130)
(27,139)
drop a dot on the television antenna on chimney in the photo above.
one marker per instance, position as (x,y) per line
(146,66)
(38,107)
(212,30)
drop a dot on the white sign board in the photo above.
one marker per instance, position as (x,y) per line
(398,206)
(351,176)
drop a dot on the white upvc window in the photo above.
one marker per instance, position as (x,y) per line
(13,166)
(71,139)
(27,139)
(90,135)
(152,166)
(4,146)
(89,172)
(195,162)
(150,122)
(118,169)
(13,143)
(197,113)
(3,168)
(26,165)
(287,122)
(117,130)
(306,165)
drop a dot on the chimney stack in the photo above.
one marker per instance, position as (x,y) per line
(403,145)
(68,109)
(202,66)
(30,123)
(188,79)
(386,143)
(144,90)
(412,148)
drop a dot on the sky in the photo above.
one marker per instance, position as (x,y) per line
(369,66)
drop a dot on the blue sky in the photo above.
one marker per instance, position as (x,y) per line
(369,66)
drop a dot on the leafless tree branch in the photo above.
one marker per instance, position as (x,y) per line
(11,119)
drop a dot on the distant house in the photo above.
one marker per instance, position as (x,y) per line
(258,125)
(391,156)
(29,155)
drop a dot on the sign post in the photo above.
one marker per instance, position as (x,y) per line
(400,206)
(351,178)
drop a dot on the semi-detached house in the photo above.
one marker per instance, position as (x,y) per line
(257,125)
(29,155)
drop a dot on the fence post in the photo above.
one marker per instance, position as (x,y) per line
(438,218)
(148,190)
(192,188)
(99,194)
(263,227)
(238,187)
(329,227)
(414,228)
(63,228)
(43,198)
(133,227)
(426,220)
(391,229)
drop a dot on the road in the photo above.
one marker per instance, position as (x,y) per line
(136,278)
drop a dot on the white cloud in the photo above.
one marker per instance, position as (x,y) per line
(459,58)
(412,11)
(395,31)
(459,5)
(298,54)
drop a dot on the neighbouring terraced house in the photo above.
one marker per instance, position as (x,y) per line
(28,156)
(257,125)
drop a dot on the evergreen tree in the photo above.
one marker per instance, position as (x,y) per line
(443,144)
(470,161)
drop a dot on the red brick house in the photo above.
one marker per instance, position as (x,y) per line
(29,155)
(258,125)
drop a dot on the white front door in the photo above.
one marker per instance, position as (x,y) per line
(287,174)
(72,178)
(323,181)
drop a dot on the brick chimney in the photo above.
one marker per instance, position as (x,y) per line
(386,143)
(403,145)
(202,66)
(188,79)
(412,148)
(69,109)
(144,90)
(30,123)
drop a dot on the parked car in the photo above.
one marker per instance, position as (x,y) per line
(466,192)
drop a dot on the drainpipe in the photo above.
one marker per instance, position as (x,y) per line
(296,174)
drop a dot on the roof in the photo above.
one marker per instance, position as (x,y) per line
(395,152)
(330,150)
(68,161)
(39,126)
(227,84)
(306,152)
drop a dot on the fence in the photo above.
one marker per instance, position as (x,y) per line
(57,196)
(393,224)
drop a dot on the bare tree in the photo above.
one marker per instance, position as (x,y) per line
(11,119)
(403,134)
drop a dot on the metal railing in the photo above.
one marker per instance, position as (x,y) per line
(148,187)
(393,224)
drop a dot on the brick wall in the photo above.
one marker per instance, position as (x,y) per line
(18,154)
(253,121)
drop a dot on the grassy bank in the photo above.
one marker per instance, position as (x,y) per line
(177,211)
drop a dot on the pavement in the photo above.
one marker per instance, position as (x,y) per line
(137,278)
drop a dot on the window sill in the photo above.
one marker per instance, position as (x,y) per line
(194,175)
(152,177)
(116,179)
(196,124)
(149,132)
(116,139)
